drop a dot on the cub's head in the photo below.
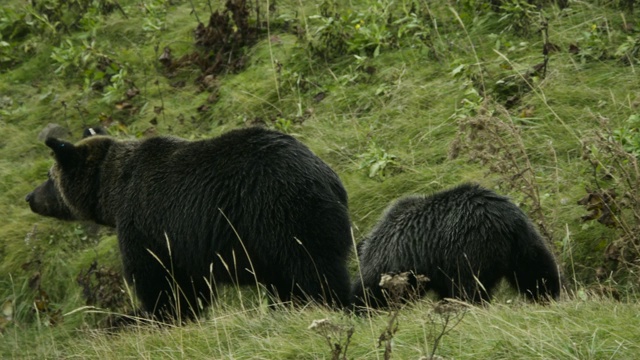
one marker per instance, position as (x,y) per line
(72,189)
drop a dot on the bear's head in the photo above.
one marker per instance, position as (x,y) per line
(72,190)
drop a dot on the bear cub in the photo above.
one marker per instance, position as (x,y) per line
(252,205)
(464,240)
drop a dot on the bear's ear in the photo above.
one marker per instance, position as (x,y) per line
(65,152)
(93,131)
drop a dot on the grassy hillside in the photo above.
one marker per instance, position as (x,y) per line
(539,102)
(567,330)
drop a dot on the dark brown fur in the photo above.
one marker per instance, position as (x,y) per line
(251,205)
(464,240)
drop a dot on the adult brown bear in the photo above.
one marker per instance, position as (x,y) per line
(250,205)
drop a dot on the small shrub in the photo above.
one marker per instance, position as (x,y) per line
(338,337)
(629,51)
(377,161)
(518,16)
(367,33)
(591,46)
(15,45)
(100,71)
(615,199)
(103,287)
(56,17)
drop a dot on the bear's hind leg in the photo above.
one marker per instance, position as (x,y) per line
(535,274)
(466,286)
(323,284)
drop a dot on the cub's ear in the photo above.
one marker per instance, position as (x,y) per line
(93,131)
(64,152)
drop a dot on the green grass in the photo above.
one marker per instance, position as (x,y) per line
(403,106)
(592,329)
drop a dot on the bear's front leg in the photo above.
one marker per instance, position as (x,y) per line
(164,291)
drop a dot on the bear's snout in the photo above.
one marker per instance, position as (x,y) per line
(46,200)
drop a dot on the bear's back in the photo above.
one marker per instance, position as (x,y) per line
(245,154)
(465,222)
(247,183)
